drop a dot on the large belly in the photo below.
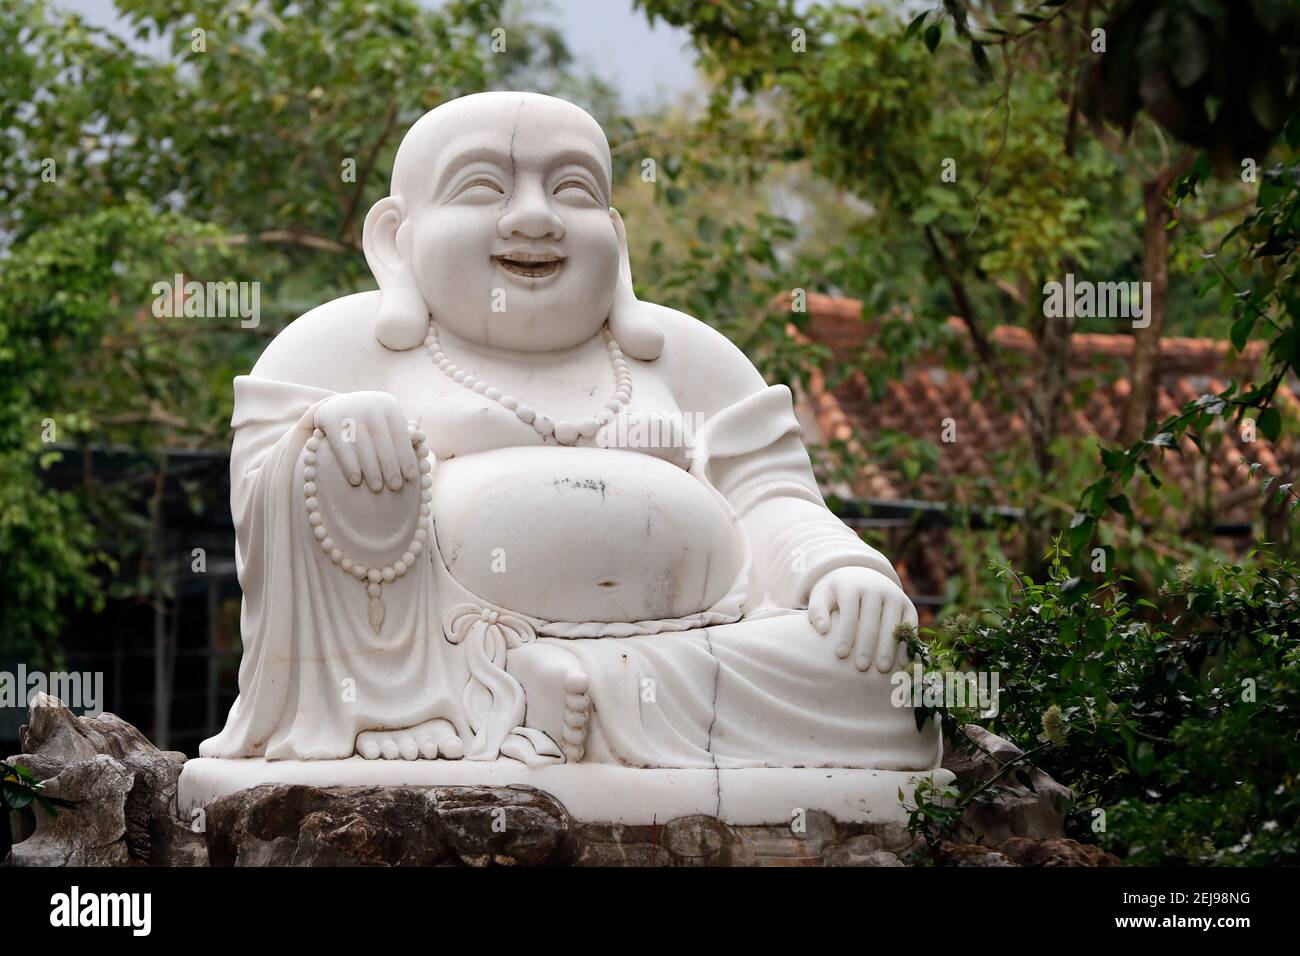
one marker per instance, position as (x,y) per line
(584,534)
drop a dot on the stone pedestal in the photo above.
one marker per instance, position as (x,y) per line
(595,793)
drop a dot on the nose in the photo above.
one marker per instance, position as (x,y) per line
(528,214)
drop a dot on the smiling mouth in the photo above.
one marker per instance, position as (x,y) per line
(532,264)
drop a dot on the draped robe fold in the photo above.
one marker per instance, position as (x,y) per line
(314,673)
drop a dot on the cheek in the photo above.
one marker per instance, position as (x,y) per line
(594,248)
(453,245)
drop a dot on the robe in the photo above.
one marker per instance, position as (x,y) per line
(747,682)
(314,673)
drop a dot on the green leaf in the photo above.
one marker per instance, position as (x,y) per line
(17,795)
(933,34)
(1270,423)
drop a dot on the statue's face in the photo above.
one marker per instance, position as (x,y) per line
(508,230)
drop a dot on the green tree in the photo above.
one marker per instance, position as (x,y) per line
(248,152)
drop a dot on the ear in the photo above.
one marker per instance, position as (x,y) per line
(636,331)
(403,319)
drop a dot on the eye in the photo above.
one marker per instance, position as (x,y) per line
(480,182)
(574,184)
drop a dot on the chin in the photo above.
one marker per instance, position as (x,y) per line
(542,328)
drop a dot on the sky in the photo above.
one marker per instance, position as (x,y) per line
(607,37)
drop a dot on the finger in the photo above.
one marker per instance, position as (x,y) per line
(371,470)
(886,645)
(820,603)
(846,625)
(401,432)
(386,449)
(346,453)
(868,631)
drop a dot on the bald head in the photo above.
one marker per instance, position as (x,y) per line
(462,130)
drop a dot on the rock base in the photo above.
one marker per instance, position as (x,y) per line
(291,825)
(134,807)
(123,787)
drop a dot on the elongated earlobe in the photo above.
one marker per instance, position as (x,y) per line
(637,332)
(403,319)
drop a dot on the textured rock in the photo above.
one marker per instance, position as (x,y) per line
(1062,852)
(699,840)
(863,850)
(56,733)
(1023,851)
(391,826)
(306,826)
(1017,810)
(91,834)
(508,826)
(66,751)
(970,854)
(895,838)
(284,825)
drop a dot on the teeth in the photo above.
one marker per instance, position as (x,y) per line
(529,264)
(530,257)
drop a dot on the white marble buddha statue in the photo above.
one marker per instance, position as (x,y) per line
(456,539)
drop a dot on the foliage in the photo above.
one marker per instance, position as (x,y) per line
(19,789)
(1174,723)
(73,330)
(248,152)
(1225,77)
(1263,249)
(1218,75)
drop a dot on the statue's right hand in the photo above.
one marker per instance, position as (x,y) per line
(368,435)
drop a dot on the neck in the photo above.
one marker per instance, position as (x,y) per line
(478,348)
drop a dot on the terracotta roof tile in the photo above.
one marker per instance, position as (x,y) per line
(988,430)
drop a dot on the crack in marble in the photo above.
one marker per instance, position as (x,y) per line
(717,677)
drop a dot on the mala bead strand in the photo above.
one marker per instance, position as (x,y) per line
(563,431)
(374,579)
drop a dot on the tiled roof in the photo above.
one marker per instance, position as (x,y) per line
(990,427)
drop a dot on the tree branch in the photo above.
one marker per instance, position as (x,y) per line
(965,309)
(350,214)
(289,238)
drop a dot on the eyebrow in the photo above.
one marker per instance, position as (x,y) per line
(464,157)
(485,153)
(580,157)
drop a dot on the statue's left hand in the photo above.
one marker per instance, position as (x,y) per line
(860,608)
